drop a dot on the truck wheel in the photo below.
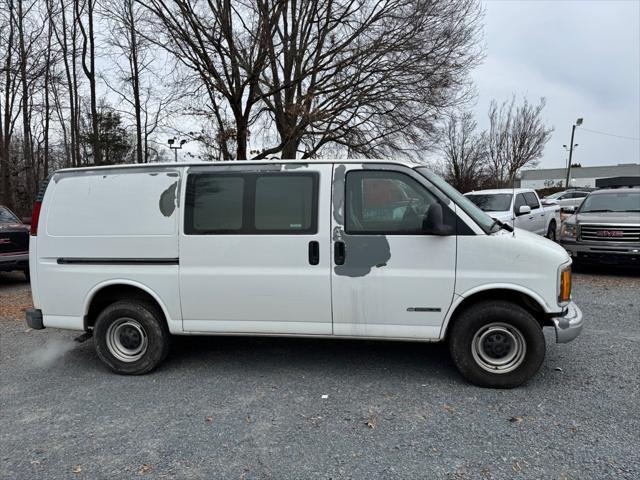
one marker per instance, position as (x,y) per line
(497,344)
(131,337)
(551,233)
(27,275)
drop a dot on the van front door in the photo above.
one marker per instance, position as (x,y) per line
(254,249)
(390,277)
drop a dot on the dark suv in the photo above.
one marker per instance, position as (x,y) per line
(606,228)
(14,243)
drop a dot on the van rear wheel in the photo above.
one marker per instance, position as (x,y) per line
(497,344)
(131,337)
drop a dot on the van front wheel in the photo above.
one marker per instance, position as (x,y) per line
(497,344)
(131,337)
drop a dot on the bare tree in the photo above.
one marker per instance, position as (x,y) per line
(223,43)
(89,66)
(369,76)
(9,110)
(516,138)
(464,152)
(134,79)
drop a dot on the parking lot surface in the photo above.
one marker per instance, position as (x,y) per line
(298,408)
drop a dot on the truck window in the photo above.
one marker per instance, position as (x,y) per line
(386,202)
(251,203)
(7,217)
(532,200)
(519,202)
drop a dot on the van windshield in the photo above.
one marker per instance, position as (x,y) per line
(483,220)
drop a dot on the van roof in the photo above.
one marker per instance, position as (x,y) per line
(407,163)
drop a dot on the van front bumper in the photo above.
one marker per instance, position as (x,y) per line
(568,326)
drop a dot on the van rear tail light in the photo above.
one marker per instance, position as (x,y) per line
(565,286)
(35,217)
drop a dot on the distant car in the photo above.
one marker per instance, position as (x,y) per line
(605,228)
(519,207)
(14,243)
(568,198)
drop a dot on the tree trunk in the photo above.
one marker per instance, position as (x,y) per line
(135,82)
(26,121)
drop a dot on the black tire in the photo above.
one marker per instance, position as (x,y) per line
(479,334)
(551,232)
(115,333)
(27,275)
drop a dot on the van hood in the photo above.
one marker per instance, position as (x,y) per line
(533,242)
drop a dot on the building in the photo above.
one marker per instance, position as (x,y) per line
(580,176)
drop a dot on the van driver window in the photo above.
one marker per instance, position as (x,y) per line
(385,202)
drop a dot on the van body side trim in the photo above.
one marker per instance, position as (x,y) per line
(118,261)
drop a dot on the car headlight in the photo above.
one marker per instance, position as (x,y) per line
(569,230)
(564,285)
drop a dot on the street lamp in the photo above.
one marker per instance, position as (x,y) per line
(177,147)
(571,147)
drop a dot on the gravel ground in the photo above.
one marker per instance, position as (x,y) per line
(254,408)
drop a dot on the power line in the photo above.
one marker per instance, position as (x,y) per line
(610,134)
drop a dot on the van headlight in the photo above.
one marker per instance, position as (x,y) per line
(564,285)
(569,230)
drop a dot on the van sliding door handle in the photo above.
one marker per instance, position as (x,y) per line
(339,253)
(314,253)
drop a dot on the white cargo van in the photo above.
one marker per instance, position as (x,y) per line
(341,249)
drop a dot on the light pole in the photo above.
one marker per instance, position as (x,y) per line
(566,149)
(175,149)
(571,146)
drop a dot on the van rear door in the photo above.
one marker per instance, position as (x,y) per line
(254,249)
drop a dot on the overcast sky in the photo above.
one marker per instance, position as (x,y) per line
(583,56)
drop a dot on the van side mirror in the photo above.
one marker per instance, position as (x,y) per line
(523,210)
(568,209)
(433,223)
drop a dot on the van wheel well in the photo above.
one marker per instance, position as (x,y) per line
(518,298)
(114,293)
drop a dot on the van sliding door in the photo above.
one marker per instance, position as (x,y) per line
(254,249)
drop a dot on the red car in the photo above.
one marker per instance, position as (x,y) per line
(14,243)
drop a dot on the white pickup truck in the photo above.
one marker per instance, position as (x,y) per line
(519,207)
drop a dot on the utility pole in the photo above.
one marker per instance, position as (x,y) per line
(571,145)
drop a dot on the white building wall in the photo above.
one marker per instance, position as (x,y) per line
(575,182)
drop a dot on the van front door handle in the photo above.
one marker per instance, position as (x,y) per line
(314,253)
(339,253)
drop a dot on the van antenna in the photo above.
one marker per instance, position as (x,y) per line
(513,210)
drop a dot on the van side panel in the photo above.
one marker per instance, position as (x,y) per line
(107,227)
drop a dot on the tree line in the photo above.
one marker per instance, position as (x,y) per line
(98,82)
(515,139)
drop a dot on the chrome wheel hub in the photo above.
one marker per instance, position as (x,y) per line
(127,340)
(498,348)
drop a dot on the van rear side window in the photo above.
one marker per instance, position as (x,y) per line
(217,205)
(251,203)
